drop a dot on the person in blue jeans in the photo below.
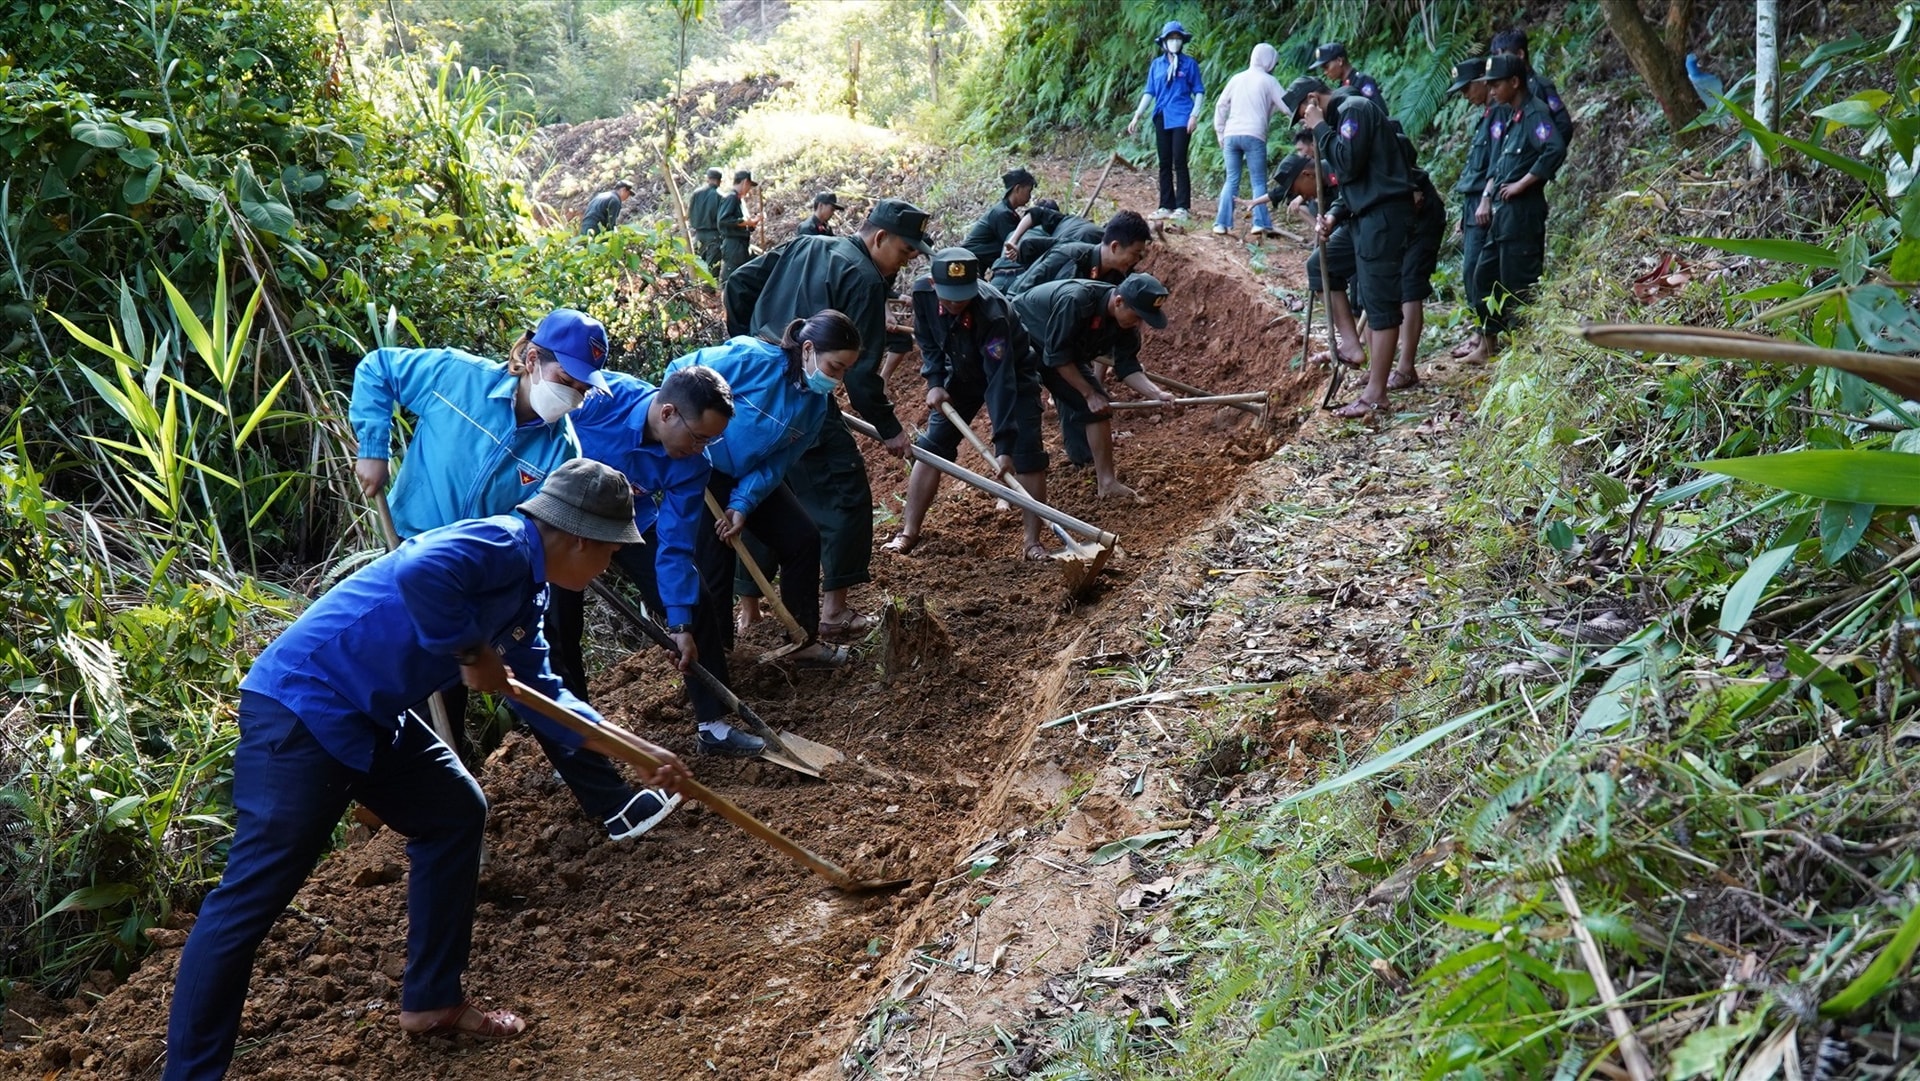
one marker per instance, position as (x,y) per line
(323,720)
(1173,92)
(1240,121)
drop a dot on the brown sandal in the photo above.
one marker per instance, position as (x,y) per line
(1399,380)
(1359,409)
(492,1024)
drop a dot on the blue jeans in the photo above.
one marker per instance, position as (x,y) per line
(1253,153)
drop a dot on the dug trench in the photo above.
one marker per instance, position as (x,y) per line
(699,951)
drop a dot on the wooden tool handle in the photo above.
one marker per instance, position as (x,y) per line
(1188,388)
(1006,474)
(624,744)
(1210,399)
(962,473)
(767,592)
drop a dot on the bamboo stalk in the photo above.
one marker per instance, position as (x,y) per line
(1896,373)
(1630,1048)
(1155,697)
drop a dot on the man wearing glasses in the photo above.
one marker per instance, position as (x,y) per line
(658,439)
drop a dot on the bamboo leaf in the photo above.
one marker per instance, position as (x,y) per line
(1780,251)
(92,342)
(261,411)
(1881,974)
(91,898)
(196,331)
(219,359)
(196,395)
(238,343)
(114,396)
(1881,477)
(1746,593)
(1384,762)
(259,515)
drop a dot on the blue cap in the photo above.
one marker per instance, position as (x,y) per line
(577,341)
(1173,27)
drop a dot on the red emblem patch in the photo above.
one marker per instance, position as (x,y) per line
(527,478)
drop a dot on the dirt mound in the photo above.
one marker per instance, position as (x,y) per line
(699,951)
(573,162)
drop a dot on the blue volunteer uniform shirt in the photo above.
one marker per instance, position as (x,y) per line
(1173,86)
(667,492)
(385,639)
(470,456)
(775,417)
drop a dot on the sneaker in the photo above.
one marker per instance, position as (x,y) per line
(647,809)
(1219,230)
(738,744)
(1181,214)
(1161,214)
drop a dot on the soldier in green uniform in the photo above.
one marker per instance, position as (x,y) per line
(1122,245)
(1332,56)
(1473,180)
(848,274)
(1525,151)
(973,352)
(736,229)
(1374,199)
(820,222)
(1514,41)
(991,230)
(703,216)
(603,210)
(1072,324)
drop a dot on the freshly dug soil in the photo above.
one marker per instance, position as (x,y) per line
(699,951)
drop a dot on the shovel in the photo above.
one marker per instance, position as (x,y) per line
(625,745)
(1247,398)
(1079,563)
(783,748)
(798,636)
(1078,570)
(1188,388)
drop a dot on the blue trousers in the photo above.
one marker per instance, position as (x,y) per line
(288,793)
(1251,153)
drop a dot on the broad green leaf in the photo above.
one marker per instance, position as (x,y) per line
(1708,1051)
(1841,527)
(140,187)
(1905,265)
(1849,476)
(1107,853)
(1850,113)
(1613,706)
(92,898)
(1746,593)
(95,133)
(1882,973)
(200,190)
(1824,680)
(1780,251)
(90,341)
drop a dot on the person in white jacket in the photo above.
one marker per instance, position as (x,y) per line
(1240,120)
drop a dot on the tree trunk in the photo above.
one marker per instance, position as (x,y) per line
(1658,57)
(1766,72)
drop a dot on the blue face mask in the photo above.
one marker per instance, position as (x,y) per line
(821,383)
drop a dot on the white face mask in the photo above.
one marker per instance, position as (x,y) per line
(551,400)
(1173,45)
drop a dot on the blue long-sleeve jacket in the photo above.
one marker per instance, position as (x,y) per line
(1173,82)
(470,456)
(384,639)
(775,417)
(666,491)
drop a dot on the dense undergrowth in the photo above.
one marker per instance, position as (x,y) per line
(1674,714)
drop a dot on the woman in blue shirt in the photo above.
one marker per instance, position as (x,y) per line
(780,394)
(1174,93)
(485,436)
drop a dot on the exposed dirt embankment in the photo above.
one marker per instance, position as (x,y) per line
(698,951)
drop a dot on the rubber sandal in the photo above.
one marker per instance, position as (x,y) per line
(856,623)
(1398,380)
(900,544)
(494,1024)
(830,656)
(1359,409)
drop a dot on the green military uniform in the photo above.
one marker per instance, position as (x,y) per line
(1473,181)
(734,234)
(1068,323)
(1077,259)
(1543,91)
(794,281)
(980,356)
(812,226)
(1521,141)
(703,214)
(602,213)
(1063,227)
(1374,198)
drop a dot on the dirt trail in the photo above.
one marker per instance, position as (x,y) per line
(698,952)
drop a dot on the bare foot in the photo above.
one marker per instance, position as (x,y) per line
(749,613)
(1351,358)
(1478,355)
(1466,347)
(1117,490)
(901,543)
